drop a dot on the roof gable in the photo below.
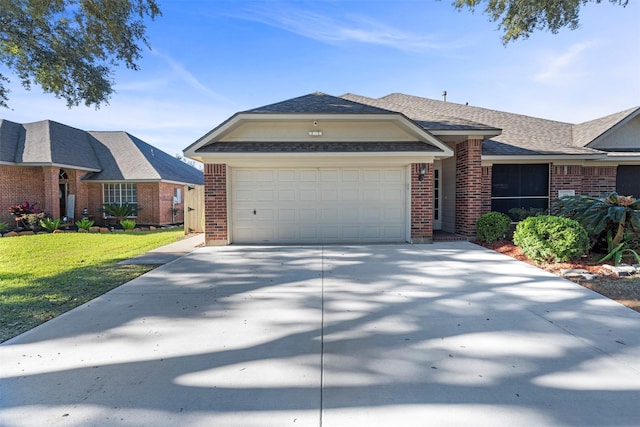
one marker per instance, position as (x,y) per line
(316,123)
(591,133)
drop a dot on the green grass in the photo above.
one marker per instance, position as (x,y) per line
(43,276)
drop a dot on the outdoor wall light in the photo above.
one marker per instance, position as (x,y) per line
(423,171)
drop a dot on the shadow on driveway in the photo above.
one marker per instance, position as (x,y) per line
(442,334)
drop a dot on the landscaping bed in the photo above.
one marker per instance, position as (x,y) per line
(625,289)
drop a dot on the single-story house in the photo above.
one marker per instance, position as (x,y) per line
(67,170)
(325,169)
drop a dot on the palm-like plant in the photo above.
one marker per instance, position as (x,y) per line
(122,211)
(613,216)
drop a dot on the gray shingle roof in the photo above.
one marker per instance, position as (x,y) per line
(521,135)
(46,142)
(126,157)
(314,146)
(319,103)
(428,120)
(108,155)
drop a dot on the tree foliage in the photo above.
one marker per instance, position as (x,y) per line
(519,18)
(71,47)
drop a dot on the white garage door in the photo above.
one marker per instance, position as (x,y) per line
(318,205)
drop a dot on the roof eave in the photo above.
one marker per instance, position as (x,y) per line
(546,157)
(48,164)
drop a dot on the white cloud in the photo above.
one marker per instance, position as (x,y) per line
(562,68)
(187,77)
(353,28)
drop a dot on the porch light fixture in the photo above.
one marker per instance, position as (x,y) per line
(423,171)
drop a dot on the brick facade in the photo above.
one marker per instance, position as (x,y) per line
(41,185)
(17,185)
(215,204)
(421,204)
(586,180)
(469,203)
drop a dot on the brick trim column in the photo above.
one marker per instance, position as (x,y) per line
(421,204)
(487,179)
(51,191)
(215,204)
(468,186)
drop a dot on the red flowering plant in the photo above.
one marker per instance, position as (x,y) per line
(27,215)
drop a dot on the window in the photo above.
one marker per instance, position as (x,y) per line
(628,181)
(120,194)
(519,187)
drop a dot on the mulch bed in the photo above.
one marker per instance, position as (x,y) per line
(625,290)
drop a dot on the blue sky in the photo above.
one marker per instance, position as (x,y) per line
(210,59)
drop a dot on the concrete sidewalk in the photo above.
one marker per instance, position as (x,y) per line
(168,253)
(448,334)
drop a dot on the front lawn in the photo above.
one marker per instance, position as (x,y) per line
(43,276)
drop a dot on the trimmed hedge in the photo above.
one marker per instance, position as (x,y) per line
(492,227)
(547,238)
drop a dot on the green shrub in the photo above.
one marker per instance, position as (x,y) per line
(84,224)
(3,227)
(128,224)
(518,214)
(50,224)
(492,226)
(547,238)
(609,220)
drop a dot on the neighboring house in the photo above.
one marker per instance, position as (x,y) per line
(66,170)
(324,169)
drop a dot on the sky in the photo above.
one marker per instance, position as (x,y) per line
(212,58)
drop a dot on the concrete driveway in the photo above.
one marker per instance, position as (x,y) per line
(382,335)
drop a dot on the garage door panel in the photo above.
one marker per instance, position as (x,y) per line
(307,195)
(310,205)
(265,195)
(371,194)
(307,215)
(350,175)
(287,215)
(286,176)
(308,176)
(329,175)
(265,176)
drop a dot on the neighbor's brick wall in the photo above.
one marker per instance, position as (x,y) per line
(148,202)
(51,202)
(93,203)
(469,203)
(215,204)
(154,200)
(421,204)
(80,189)
(167,191)
(19,184)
